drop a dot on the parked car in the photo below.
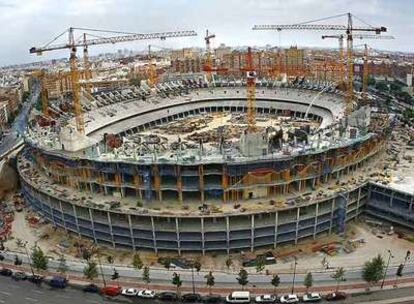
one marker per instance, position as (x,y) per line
(238,297)
(146,293)
(19,276)
(111,291)
(35,279)
(191,298)
(6,272)
(92,288)
(212,299)
(129,292)
(168,296)
(291,298)
(311,297)
(265,299)
(336,296)
(58,282)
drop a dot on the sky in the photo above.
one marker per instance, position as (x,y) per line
(27,23)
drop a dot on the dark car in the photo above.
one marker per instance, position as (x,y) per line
(336,296)
(6,272)
(191,298)
(19,276)
(212,299)
(35,279)
(168,296)
(92,288)
(58,282)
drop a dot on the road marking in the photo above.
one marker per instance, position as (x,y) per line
(5,293)
(1,301)
(37,291)
(31,299)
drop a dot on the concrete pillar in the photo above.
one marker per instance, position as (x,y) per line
(411,203)
(202,235)
(276,226)
(332,214)
(131,231)
(62,216)
(92,223)
(228,234)
(110,228)
(177,230)
(358,203)
(297,225)
(154,239)
(316,220)
(391,198)
(76,219)
(252,233)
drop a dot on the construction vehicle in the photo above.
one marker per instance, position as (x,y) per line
(73,44)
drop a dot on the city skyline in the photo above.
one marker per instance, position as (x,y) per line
(37,22)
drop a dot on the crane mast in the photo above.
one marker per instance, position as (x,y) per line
(251,92)
(72,45)
(208,67)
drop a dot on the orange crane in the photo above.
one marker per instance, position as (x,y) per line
(208,66)
(251,91)
(73,44)
(341,49)
(349,30)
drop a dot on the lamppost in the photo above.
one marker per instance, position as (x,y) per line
(386,267)
(28,257)
(294,274)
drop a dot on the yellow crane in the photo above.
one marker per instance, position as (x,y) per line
(72,44)
(349,30)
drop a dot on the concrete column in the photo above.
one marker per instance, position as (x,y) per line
(202,235)
(316,220)
(391,198)
(411,203)
(49,205)
(62,216)
(332,213)
(276,224)
(76,219)
(131,231)
(228,234)
(252,233)
(153,235)
(110,228)
(359,198)
(177,229)
(297,225)
(92,223)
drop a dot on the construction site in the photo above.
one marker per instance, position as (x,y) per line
(260,151)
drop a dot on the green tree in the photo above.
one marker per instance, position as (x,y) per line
(62,267)
(260,263)
(338,276)
(400,270)
(137,262)
(166,263)
(275,282)
(242,278)
(381,86)
(373,270)
(176,280)
(209,281)
(146,275)
(39,259)
(229,262)
(308,281)
(90,271)
(197,265)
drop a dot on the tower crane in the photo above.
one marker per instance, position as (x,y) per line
(73,44)
(208,66)
(349,30)
(341,49)
(251,91)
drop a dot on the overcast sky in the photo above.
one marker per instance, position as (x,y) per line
(26,23)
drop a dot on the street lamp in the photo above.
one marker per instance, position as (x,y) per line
(386,267)
(28,257)
(294,274)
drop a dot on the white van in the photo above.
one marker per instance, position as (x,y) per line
(238,297)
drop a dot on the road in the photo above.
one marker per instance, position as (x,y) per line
(14,135)
(12,292)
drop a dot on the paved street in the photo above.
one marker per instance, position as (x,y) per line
(14,135)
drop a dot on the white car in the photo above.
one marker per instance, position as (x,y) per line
(312,297)
(130,292)
(265,299)
(292,298)
(148,294)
